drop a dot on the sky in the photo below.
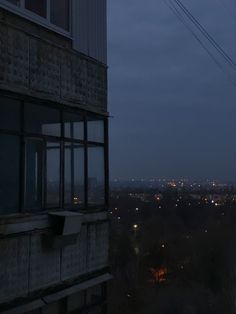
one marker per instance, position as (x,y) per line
(173,110)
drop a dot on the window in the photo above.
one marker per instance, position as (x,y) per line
(42,120)
(9,114)
(34,170)
(74,174)
(50,13)
(38,7)
(60,13)
(50,158)
(96,175)
(53,174)
(10,171)
(74,126)
(95,130)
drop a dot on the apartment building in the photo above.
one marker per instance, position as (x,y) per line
(54,230)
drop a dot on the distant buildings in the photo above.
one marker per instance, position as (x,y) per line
(53,157)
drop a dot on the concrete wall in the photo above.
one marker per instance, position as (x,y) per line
(35,62)
(27,267)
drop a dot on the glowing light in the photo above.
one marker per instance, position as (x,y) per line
(135,226)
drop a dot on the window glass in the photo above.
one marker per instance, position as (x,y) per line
(75,302)
(73,126)
(60,13)
(53,174)
(95,130)
(37,6)
(95,310)
(34,174)
(54,308)
(16,2)
(42,120)
(94,295)
(9,170)
(9,114)
(96,175)
(74,174)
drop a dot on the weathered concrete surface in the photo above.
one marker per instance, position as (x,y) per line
(27,267)
(35,64)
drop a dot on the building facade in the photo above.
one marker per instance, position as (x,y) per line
(54,230)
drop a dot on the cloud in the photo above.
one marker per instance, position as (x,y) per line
(166,94)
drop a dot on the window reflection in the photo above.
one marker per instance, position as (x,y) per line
(96,175)
(53,174)
(74,174)
(73,126)
(38,7)
(9,170)
(95,130)
(42,120)
(60,13)
(34,174)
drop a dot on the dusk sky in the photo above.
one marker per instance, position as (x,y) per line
(174,110)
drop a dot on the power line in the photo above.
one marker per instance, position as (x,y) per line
(205,33)
(172,7)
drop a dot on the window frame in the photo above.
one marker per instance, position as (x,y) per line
(24,135)
(33,17)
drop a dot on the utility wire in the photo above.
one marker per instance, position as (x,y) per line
(206,34)
(172,7)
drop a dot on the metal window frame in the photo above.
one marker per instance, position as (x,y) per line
(33,17)
(23,135)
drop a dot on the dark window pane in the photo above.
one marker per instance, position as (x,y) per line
(37,6)
(94,295)
(54,308)
(74,126)
(96,176)
(60,13)
(96,130)
(16,2)
(34,174)
(9,114)
(74,174)
(53,174)
(75,302)
(96,310)
(9,174)
(42,120)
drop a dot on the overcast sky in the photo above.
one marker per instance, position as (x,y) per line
(174,110)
